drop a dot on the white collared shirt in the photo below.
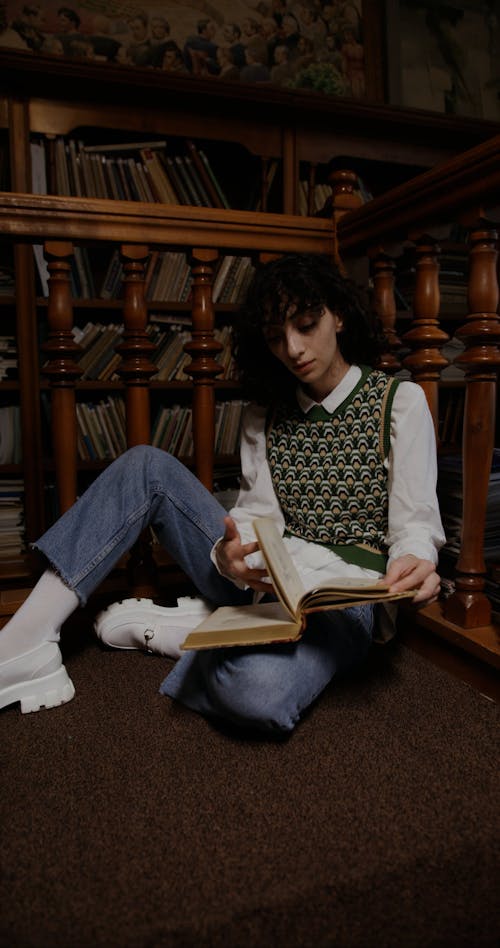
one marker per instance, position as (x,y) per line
(414,522)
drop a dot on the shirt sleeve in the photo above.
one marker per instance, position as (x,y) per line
(256,497)
(414,519)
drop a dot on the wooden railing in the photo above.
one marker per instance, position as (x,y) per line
(466,191)
(203,233)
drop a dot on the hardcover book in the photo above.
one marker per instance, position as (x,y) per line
(284,620)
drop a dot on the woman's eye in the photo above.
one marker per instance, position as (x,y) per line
(306,327)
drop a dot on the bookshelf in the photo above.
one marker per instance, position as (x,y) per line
(260,144)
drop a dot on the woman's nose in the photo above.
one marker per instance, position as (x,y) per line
(294,344)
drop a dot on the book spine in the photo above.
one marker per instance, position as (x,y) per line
(215,200)
(222,196)
(182,196)
(189,187)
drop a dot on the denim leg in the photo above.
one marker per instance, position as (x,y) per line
(144,486)
(270,687)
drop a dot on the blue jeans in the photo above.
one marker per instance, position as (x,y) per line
(266,687)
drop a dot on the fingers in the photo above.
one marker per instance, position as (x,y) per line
(409,572)
(231,553)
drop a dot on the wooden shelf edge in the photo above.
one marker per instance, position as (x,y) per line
(483,642)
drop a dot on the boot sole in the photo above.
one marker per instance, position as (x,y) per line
(47,692)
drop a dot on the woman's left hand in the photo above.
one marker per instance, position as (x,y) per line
(409,572)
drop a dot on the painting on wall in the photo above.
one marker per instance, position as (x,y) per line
(323,45)
(445,56)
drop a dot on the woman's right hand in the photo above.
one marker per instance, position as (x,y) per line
(230,554)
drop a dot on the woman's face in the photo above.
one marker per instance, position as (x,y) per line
(306,344)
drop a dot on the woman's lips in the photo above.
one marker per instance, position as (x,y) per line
(303,367)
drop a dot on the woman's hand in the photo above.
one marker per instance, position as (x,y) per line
(230,555)
(409,572)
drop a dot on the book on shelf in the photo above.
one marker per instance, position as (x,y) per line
(113,278)
(450,495)
(12,539)
(258,201)
(214,179)
(176,180)
(284,620)
(214,197)
(7,280)
(8,358)
(178,172)
(10,434)
(161,184)
(101,429)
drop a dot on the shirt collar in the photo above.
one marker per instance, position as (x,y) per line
(336,396)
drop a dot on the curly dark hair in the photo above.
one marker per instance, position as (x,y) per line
(305,281)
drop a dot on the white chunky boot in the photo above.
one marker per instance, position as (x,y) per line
(141,624)
(37,679)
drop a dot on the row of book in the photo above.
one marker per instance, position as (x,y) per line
(451,417)
(10,434)
(8,357)
(172,429)
(168,276)
(99,359)
(102,427)
(450,492)
(12,540)
(150,171)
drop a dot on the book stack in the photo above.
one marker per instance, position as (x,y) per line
(101,429)
(228,416)
(232,279)
(147,171)
(450,493)
(170,357)
(172,429)
(98,360)
(8,357)
(11,517)
(451,416)
(168,277)
(10,434)
(7,281)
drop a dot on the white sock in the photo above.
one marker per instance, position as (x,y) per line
(40,617)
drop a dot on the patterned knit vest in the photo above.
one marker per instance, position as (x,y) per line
(328,471)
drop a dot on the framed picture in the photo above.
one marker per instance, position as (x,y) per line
(445,56)
(332,47)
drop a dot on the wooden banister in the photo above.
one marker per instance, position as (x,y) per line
(468,606)
(442,194)
(62,370)
(203,368)
(426,337)
(136,368)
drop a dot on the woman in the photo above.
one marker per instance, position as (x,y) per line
(342,457)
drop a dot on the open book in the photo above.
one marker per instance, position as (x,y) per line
(285,620)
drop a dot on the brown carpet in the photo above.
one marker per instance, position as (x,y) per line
(128,822)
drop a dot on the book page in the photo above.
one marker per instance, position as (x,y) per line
(280,566)
(264,622)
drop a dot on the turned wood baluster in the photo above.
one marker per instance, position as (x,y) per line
(345,198)
(469,607)
(384,305)
(136,370)
(62,370)
(136,367)
(425,338)
(203,368)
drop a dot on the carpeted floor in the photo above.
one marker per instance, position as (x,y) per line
(129,822)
